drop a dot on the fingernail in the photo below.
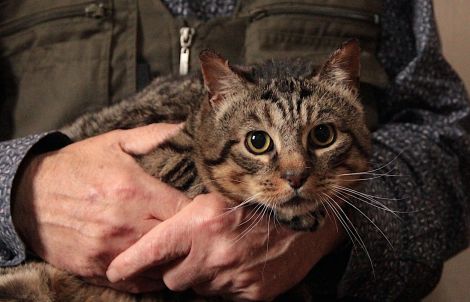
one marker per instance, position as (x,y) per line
(180,126)
(112,275)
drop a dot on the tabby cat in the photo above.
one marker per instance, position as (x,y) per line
(281,131)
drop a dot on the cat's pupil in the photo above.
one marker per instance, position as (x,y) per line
(322,133)
(258,139)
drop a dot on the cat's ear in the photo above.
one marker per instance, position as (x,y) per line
(220,78)
(343,66)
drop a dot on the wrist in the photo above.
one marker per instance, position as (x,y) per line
(22,191)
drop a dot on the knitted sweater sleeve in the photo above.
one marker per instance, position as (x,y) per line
(421,155)
(12,155)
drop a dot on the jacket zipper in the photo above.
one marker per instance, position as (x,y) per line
(315,10)
(92,9)
(186,40)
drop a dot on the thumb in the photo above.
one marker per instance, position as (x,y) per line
(142,140)
(167,241)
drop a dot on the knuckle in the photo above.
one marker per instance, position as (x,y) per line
(95,253)
(125,192)
(94,193)
(247,281)
(257,293)
(213,220)
(212,226)
(123,188)
(223,258)
(110,231)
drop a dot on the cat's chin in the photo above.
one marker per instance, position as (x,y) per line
(311,221)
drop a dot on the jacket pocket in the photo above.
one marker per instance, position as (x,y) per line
(57,54)
(313,31)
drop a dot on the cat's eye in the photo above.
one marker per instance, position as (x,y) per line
(258,142)
(323,135)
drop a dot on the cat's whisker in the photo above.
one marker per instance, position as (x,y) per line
(335,213)
(362,179)
(252,226)
(376,175)
(367,217)
(388,163)
(252,214)
(366,176)
(247,202)
(254,222)
(371,202)
(244,203)
(352,191)
(322,201)
(388,174)
(347,229)
(380,206)
(359,237)
(273,212)
(267,244)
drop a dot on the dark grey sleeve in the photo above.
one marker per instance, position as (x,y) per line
(423,147)
(12,154)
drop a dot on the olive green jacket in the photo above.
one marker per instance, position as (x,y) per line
(71,56)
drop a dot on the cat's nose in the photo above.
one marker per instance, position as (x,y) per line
(295,179)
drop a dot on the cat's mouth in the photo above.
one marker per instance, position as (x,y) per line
(300,213)
(295,201)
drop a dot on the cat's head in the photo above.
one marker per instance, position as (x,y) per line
(276,136)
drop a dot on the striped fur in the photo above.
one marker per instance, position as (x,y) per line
(284,99)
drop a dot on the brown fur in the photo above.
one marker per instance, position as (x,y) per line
(285,100)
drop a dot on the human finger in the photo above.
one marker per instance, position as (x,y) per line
(165,200)
(167,241)
(142,140)
(186,274)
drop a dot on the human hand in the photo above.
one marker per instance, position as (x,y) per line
(80,206)
(219,253)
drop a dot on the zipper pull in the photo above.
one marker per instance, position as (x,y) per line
(96,10)
(186,38)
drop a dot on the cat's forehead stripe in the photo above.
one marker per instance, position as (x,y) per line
(267,115)
(269,95)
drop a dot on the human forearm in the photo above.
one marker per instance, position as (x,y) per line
(93,193)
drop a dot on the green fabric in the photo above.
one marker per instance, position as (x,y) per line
(69,57)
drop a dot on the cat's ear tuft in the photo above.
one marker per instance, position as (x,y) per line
(343,66)
(220,78)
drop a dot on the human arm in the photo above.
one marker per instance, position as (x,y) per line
(92,193)
(12,153)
